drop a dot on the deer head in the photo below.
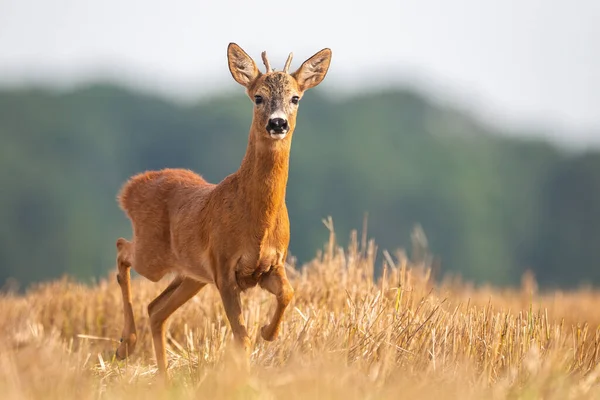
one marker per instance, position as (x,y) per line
(276,94)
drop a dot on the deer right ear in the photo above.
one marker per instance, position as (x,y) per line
(241,65)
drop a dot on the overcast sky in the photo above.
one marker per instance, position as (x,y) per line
(510,61)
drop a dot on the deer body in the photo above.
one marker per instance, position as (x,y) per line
(234,234)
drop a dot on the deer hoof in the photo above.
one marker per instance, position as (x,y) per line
(126,347)
(268,334)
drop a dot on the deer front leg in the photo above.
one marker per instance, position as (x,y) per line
(276,282)
(230,295)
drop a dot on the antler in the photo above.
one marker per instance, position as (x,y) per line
(268,65)
(266,61)
(287,63)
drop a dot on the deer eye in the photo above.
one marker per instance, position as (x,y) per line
(295,99)
(258,99)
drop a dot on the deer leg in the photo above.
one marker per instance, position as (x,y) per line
(164,296)
(128,336)
(276,282)
(230,295)
(162,307)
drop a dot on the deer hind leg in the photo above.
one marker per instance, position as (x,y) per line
(124,261)
(159,301)
(161,308)
(276,282)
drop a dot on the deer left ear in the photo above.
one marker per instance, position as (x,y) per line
(241,65)
(313,71)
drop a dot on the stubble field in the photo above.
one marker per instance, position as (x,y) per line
(346,335)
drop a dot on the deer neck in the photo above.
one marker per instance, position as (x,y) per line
(263,178)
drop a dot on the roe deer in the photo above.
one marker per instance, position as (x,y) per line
(234,234)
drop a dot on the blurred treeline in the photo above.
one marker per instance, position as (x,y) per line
(492,206)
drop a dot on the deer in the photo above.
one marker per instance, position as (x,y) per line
(234,234)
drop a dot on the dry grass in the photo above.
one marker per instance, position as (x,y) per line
(344,336)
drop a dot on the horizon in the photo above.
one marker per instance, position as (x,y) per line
(513,70)
(525,129)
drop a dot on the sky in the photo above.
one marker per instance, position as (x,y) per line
(509,62)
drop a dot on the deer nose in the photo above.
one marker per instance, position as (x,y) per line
(278,125)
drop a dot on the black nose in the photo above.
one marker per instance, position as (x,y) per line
(278,125)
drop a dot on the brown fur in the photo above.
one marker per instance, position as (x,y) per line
(234,234)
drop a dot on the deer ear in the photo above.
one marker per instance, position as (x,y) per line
(313,70)
(241,65)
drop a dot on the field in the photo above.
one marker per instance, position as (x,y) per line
(346,335)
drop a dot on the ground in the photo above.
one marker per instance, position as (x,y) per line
(345,336)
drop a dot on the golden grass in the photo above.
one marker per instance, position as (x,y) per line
(345,336)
